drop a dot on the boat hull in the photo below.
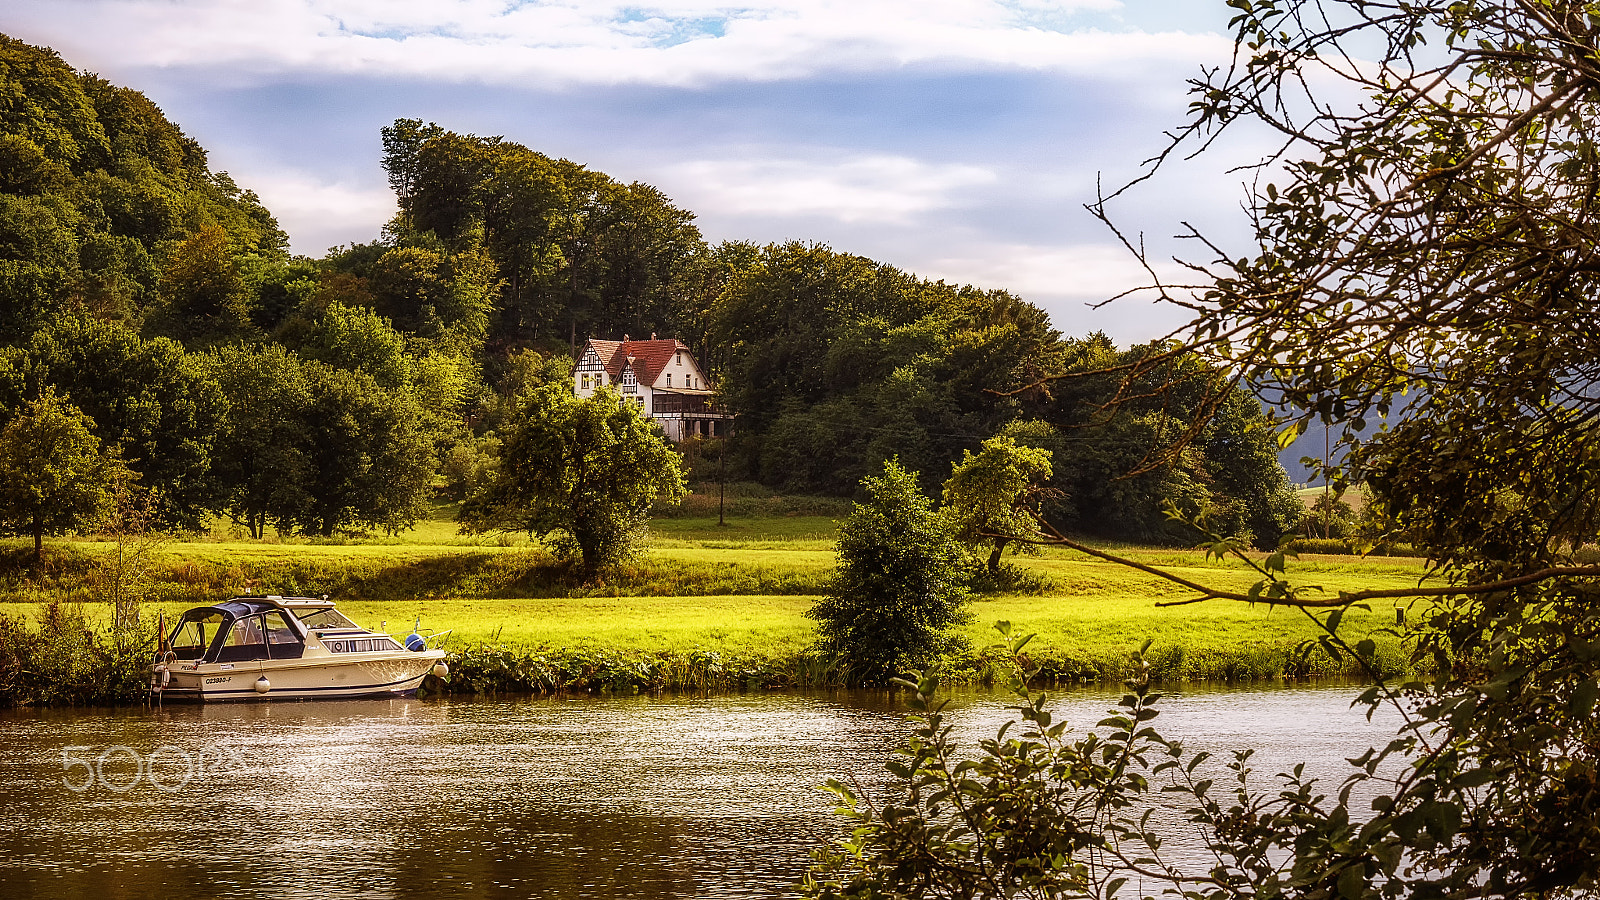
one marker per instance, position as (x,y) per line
(394,674)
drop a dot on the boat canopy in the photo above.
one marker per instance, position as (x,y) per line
(236,630)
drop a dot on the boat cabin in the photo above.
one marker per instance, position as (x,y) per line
(246,629)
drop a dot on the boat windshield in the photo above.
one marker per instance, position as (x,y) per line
(323,618)
(195,633)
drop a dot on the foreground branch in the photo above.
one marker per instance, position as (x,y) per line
(1055,538)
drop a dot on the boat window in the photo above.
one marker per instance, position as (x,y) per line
(360,645)
(324,618)
(279,630)
(194,634)
(246,633)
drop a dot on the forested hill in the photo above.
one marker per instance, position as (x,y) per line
(156,298)
(107,206)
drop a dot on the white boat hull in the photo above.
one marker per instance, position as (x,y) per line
(382,674)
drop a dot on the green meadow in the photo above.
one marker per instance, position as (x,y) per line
(740,591)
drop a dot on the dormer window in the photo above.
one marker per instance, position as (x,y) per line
(630,383)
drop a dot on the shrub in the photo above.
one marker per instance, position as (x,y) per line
(899,583)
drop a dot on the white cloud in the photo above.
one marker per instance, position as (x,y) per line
(670,42)
(870,188)
(319,214)
(1067,280)
(1092,272)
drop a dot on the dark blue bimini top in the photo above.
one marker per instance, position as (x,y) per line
(240,608)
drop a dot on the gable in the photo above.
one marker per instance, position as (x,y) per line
(649,360)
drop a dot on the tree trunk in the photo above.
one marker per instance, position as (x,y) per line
(994,557)
(38,543)
(591,560)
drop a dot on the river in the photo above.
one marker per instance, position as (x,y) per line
(636,797)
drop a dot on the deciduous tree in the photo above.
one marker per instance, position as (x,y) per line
(586,470)
(55,475)
(369,456)
(150,398)
(262,463)
(993,495)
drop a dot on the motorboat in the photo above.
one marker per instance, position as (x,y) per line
(286,648)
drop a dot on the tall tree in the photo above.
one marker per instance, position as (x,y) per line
(369,456)
(584,470)
(148,397)
(262,448)
(54,474)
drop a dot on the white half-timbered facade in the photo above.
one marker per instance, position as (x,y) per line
(661,377)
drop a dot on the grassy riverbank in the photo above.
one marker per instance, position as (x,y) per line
(711,605)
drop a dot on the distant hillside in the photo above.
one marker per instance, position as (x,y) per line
(327,395)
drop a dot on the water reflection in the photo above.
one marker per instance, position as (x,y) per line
(628,797)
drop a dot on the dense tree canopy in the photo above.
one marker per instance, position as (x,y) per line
(155,402)
(54,473)
(583,470)
(1178,435)
(149,291)
(835,363)
(574,250)
(98,193)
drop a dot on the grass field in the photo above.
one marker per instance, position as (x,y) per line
(742,589)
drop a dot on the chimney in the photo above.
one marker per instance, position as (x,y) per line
(625,339)
(652,335)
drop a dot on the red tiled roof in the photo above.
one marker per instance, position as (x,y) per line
(649,357)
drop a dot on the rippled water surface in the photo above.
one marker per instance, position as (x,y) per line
(630,797)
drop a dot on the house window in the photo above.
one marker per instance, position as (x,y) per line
(586,382)
(669,379)
(677,358)
(630,383)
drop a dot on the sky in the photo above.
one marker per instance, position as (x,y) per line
(956,139)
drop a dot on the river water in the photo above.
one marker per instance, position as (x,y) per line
(639,797)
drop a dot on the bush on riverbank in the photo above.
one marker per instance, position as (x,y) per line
(505,669)
(69,660)
(493,669)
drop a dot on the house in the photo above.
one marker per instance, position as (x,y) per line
(661,377)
